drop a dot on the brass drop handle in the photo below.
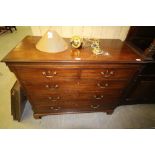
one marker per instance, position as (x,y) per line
(95,107)
(56,109)
(52,86)
(49,74)
(98,97)
(107,73)
(102,85)
(54,98)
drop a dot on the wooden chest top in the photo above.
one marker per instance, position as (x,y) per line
(118,52)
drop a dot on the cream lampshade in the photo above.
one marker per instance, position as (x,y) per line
(51,42)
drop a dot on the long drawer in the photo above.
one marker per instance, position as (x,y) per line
(75,85)
(48,74)
(41,98)
(75,106)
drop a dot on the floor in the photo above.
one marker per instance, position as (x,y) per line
(131,116)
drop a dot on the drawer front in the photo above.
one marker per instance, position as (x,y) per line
(74,96)
(46,74)
(56,98)
(75,85)
(49,74)
(56,90)
(108,73)
(75,106)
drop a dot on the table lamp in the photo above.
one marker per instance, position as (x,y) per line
(51,42)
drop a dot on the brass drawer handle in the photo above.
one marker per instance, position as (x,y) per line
(49,74)
(98,97)
(54,98)
(107,73)
(102,85)
(56,109)
(95,107)
(52,86)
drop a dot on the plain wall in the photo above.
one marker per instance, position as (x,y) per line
(105,32)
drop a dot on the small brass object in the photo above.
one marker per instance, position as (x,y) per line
(95,45)
(95,106)
(76,42)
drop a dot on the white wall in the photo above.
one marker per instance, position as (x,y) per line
(105,32)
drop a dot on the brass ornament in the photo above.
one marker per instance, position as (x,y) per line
(76,42)
(95,45)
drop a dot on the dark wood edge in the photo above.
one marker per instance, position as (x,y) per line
(72,65)
(132,84)
(73,62)
(138,51)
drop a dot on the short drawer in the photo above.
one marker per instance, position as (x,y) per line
(108,73)
(45,74)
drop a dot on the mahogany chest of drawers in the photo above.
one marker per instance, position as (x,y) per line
(74,80)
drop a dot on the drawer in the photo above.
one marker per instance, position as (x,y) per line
(45,74)
(75,85)
(108,73)
(40,98)
(52,74)
(75,106)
